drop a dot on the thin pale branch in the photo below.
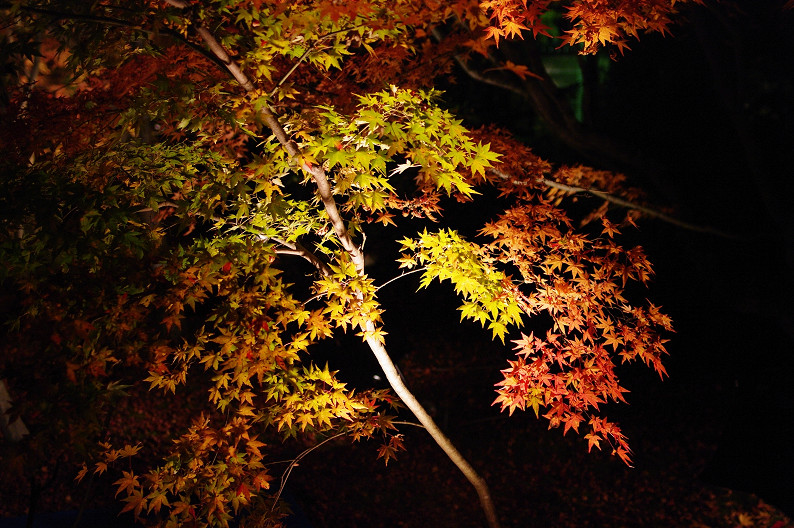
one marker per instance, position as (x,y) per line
(655,213)
(398,277)
(303,57)
(410,401)
(301,251)
(294,463)
(400,422)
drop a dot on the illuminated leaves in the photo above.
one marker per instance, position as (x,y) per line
(577,282)
(391,125)
(447,256)
(389,450)
(594,24)
(153,230)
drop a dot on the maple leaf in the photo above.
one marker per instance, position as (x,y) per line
(136,502)
(82,473)
(128,483)
(572,421)
(128,450)
(389,450)
(592,440)
(157,501)
(305,419)
(494,33)
(261,480)
(243,491)
(324,416)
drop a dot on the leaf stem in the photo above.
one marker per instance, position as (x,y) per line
(404,274)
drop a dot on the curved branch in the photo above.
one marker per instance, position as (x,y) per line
(293,463)
(398,277)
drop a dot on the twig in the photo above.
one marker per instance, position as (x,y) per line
(655,213)
(409,423)
(293,463)
(299,250)
(303,57)
(404,274)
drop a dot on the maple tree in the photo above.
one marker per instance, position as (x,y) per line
(168,167)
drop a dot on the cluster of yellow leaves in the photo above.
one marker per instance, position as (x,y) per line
(447,256)
(252,354)
(400,126)
(350,297)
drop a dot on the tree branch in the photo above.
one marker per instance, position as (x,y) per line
(398,277)
(410,401)
(295,462)
(381,354)
(558,116)
(655,213)
(301,251)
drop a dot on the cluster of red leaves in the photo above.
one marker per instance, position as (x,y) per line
(577,283)
(594,23)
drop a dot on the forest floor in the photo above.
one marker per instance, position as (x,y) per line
(538,477)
